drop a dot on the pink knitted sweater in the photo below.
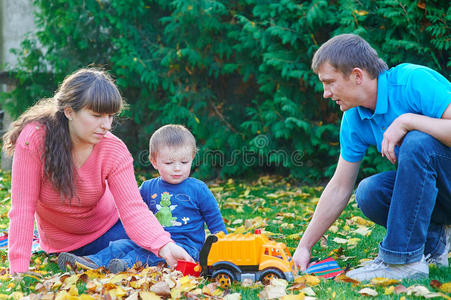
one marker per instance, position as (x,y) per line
(106,189)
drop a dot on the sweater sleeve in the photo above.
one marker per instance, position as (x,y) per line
(25,189)
(210,211)
(139,222)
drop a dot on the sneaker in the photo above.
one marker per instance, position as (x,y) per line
(73,260)
(117,265)
(377,268)
(442,259)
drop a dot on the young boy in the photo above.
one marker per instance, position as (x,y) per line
(181,204)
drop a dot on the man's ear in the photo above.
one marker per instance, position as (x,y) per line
(357,75)
(68,112)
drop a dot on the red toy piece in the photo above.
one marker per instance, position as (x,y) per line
(188,268)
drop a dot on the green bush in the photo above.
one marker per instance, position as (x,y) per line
(237,73)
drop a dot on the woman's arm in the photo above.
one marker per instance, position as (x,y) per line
(25,189)
(139,222)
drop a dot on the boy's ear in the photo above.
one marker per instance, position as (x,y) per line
(153,162)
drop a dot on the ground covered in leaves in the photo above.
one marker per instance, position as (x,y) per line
(278,207)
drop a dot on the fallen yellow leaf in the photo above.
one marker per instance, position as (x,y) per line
(308,280)
(73,291)
(117,293)
(86,297)
(389,290)
(299,296)
(176,293)
(149,296)
(446,287)
(118,278)
(353,241)
(344,278)
(333,229)
(381,281)
(294,236)
(361,221)
(63,295)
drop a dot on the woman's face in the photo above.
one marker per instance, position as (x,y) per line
(88,127)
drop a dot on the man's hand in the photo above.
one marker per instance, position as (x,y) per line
(171,252)
(301,258)
(393,136)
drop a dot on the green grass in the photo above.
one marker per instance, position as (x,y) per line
(279,207)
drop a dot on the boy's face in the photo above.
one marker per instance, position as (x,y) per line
(173,163)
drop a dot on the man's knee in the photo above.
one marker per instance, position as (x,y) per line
(373,197)
(417,144)
(365,189)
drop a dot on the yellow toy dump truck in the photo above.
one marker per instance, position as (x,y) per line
(226,258)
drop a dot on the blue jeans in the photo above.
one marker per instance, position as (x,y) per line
(413,202)
(117,232)
(130,252)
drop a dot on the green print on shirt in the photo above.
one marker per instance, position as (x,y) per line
(164,214)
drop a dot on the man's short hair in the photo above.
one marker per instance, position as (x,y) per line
(171,135)
(347,51)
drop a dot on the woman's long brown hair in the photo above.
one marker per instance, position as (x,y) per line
(86,88)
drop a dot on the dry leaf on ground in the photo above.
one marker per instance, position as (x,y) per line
(368,292)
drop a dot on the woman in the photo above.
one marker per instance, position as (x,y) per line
(76,177)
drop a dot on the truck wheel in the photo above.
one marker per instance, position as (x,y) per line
(269,274)
(224,278)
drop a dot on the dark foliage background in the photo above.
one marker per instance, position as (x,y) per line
(237,73)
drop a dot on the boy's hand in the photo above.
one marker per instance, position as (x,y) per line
(171,252)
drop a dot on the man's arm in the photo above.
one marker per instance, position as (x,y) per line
(332,202)
(438,128)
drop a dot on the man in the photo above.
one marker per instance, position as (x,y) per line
(406,113)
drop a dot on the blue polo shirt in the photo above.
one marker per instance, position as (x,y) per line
(406,88)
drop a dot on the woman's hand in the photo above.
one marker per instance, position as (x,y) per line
(171,252)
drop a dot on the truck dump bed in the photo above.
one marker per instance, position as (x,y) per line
(240,249)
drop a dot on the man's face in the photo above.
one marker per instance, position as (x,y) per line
(338,87)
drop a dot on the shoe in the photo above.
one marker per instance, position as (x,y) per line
(377,268)
(117,265)
(442,259)
(73,261)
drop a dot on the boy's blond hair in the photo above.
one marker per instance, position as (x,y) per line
(171,135)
